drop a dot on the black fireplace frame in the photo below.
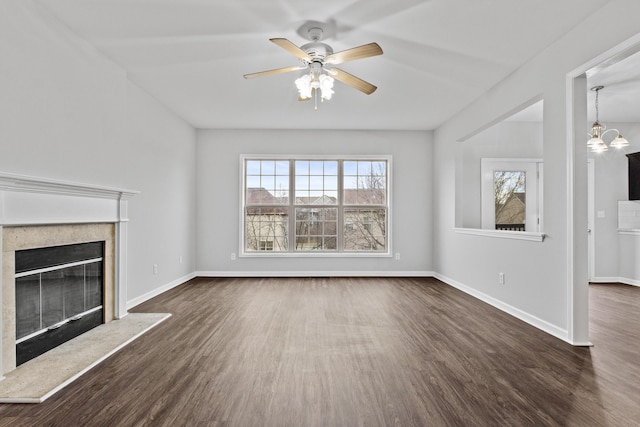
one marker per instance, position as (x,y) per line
(33,263)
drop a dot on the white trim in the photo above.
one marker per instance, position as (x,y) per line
(1,292)
(160,290)
(25,183)
(323,273)
(629,232)
(319,254)
(513,311)
(607,58)
(623,280)
(591,198)
(503,234)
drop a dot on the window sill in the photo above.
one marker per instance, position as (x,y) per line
(269,254)
(503,234)
(629,231)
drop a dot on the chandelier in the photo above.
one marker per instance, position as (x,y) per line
(596,143)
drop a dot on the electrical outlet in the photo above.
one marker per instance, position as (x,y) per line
(180,259)
(233,256)
(397,256)
(501,278)
(155,268)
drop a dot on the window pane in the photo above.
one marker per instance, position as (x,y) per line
(313,227)
(266,229)
(350,168)
(282,167)
(364,168)
(366,183)
(268,182)
(302,182)
(330,183)
(364,229)
(302,167)
(316,168)
(316,182)
(282,183)
(253,167)
(331,168)
(510,201)
(263,186)
(268,167)
(253,182)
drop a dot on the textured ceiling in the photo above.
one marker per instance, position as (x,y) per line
(439,55)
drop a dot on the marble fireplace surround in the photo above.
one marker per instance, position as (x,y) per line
(40,212)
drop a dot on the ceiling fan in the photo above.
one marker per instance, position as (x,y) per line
(319,59)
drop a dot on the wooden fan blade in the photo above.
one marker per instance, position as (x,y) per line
(360,52)
(271,72)
(292,48)
(353,81)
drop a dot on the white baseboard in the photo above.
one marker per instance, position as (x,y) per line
(154,293)
(515,312)
(322,273)
(623,280)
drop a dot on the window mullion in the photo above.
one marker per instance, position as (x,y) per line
(292,205)
(340,225)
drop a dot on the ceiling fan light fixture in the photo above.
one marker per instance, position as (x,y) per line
(303,84)
(326,86)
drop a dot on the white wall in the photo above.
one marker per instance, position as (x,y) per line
(616,256)
(219,205)
(507,140)
(66,112)
(538,275)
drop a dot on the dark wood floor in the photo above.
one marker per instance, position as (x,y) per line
(354,352)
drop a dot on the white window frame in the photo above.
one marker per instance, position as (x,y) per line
(532,168)
(340,206)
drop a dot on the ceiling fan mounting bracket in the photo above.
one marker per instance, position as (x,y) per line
(315,31)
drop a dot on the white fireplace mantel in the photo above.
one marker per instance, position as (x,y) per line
(28,200)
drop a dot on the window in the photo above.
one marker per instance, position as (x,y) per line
(510,194)
(313,205)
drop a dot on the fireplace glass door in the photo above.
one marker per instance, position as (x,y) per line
(59,292)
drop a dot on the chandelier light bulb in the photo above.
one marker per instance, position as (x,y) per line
(619,142)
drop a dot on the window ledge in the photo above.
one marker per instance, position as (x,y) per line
(275,254)
(502,234)
(630,231)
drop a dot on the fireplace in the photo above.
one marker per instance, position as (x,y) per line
(58,294)
(39,218)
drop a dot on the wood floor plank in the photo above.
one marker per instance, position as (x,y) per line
(354,352)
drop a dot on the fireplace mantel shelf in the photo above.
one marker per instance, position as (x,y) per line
(14,182)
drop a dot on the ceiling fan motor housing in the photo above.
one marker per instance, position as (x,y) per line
(317,50)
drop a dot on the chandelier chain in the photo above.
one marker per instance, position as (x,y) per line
(597,105)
